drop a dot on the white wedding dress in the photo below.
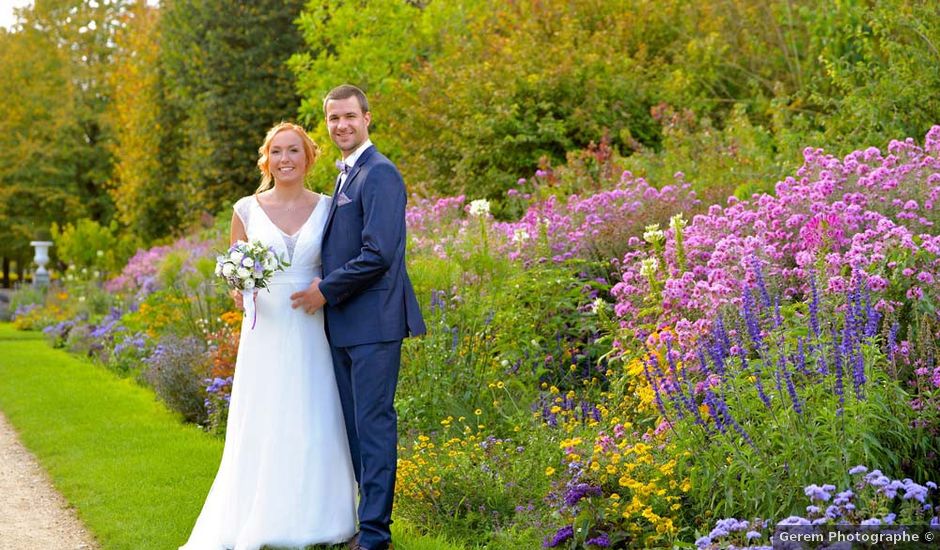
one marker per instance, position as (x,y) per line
(286,477)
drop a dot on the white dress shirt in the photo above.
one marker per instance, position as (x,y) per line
(351,161)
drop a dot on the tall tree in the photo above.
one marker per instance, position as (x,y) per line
(226,84)
(83,32)
(37,134)
(146,201)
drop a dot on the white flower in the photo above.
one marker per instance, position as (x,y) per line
(243,273)
(218,269)
(227,269)
(236,255)
(677,222)
(479,207)
(648,267)
(653,234)
(248,284)
(248,262)
(520,235)
(598,305)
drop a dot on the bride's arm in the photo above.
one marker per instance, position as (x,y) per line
(237,234)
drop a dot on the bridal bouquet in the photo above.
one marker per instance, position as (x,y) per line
(247,267)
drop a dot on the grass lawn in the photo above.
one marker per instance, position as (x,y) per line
(136,475)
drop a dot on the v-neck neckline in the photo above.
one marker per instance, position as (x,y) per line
(302,226)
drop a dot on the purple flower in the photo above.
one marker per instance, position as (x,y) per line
(858,470)
(815,492)
(560,536)
(580,491)
(601,540)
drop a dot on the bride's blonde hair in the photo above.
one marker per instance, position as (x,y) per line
(311,152)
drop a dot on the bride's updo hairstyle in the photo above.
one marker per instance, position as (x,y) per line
(311,152)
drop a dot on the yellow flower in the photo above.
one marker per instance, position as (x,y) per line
(478,412)
(549,471)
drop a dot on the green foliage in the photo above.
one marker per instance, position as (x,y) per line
(225,84)
(176,371)
(90,245)
(148,201)
(789,450)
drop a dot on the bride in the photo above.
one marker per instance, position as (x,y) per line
(286,477)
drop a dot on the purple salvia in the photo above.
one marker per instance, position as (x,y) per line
(871,314)
(791,389)
(759,277)
(836,349)
(820,354)
(711,402)
(760,387)
(659,398)
(703,363)
(751,320)
(778,320)
(728,419)
(858,374)
(892,340)
(691,405)
(841,352)
(722,335)
(800,361)
(814,307)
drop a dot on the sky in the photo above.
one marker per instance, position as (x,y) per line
(6,11)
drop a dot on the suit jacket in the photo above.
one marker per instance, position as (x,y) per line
(368,293)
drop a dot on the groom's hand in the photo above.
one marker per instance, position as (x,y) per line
(311,299)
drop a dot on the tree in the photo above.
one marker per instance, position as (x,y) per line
(147,202)
(37,130)
(226,84)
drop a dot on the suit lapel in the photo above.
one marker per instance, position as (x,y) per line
(350,180)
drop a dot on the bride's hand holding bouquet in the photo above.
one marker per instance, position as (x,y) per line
(247,267)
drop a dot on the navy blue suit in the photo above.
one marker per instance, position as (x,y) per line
(371,307)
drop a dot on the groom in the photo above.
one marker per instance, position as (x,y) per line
(369,303)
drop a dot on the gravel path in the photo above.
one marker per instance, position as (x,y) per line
(33,516)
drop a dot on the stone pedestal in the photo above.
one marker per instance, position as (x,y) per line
(41,277)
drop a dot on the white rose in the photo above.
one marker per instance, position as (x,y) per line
(248,284)
(248,262)
(243,273)
(218,269)
(236,255)
(228,269)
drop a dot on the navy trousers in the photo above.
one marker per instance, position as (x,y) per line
(367,376)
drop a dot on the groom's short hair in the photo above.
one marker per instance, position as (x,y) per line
(347,91)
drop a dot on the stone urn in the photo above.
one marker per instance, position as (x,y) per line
(41,278)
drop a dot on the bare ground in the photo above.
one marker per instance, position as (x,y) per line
(33,516)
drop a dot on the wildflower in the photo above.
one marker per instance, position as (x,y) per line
(561,536)
(479,207)
(653,234)
(648,267)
